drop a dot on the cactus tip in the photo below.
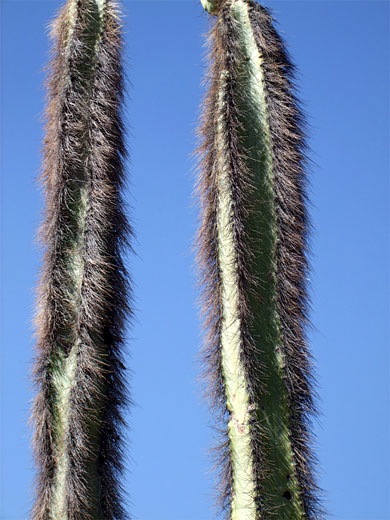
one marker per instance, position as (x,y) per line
(211,5)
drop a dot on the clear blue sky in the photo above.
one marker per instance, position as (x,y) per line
(341,49)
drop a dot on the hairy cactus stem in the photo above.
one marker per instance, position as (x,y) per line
(83,291)
(252,243)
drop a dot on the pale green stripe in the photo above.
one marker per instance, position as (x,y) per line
(63,382)
(72,18)
(237,399)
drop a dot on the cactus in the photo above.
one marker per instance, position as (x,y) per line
(252,244)
(83,292)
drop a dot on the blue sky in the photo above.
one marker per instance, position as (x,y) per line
(341,49)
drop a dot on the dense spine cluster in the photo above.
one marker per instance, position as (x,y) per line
(253,258)
(83,292)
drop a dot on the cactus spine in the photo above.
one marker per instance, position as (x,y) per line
(253,259)
(83,292)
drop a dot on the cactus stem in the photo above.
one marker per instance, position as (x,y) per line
(253,265)
(83,294)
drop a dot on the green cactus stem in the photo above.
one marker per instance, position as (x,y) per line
(83,292)
(253,259)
